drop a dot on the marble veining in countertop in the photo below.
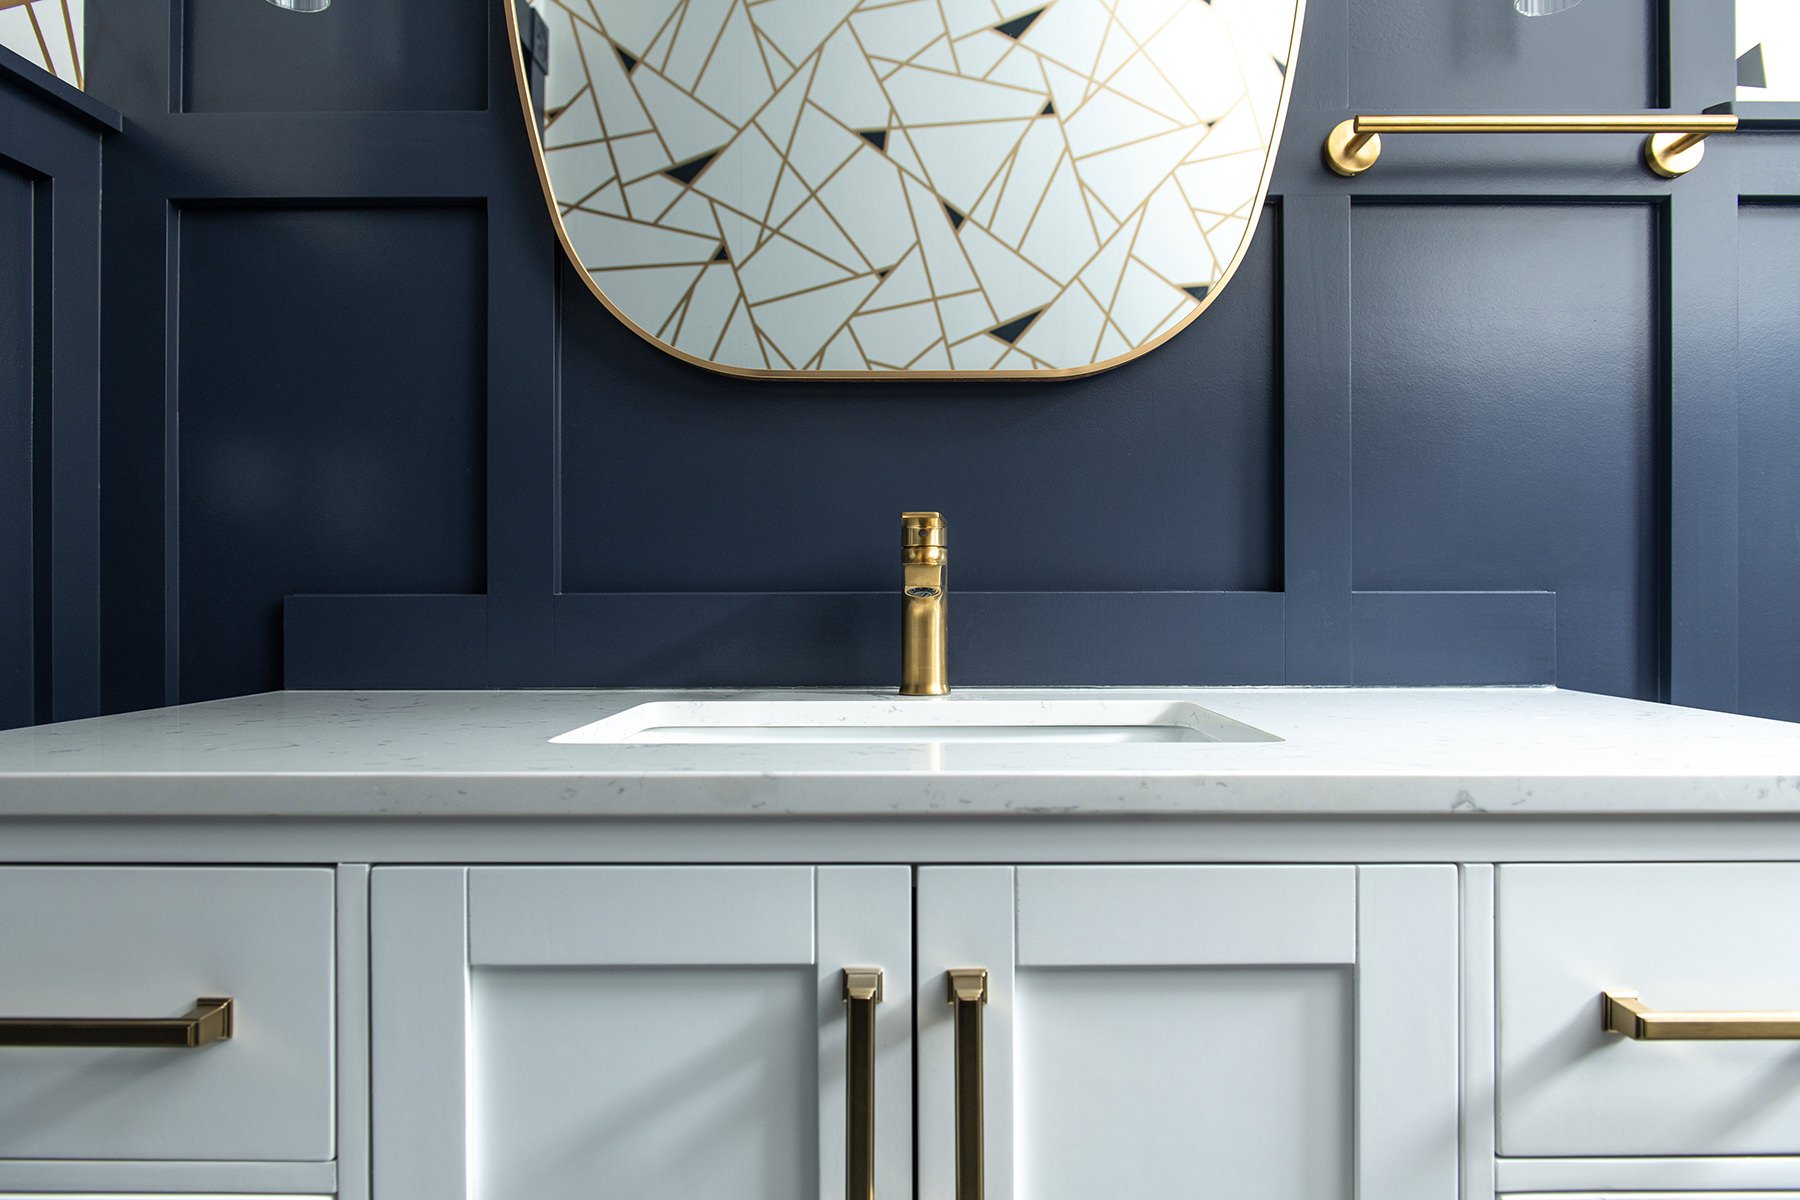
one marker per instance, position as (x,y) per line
(1343,751)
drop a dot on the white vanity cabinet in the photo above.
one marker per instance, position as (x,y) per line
(476,962)
(1287,1033)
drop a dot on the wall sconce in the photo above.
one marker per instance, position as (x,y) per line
(1543,8)
(306,6)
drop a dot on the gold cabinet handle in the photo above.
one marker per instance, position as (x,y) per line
(862,992)
(209,1021)
(968,992)
(1673,148)
(1623,1013)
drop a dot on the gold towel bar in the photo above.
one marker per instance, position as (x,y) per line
(1673,148)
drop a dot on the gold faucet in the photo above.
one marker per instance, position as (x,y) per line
(922,560)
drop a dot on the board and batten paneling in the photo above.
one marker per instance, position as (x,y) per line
(50,136)
(19,566)
(1469,418)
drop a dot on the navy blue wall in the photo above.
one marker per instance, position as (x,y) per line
(1473,417)
(1769,396)
(50,143)
(20,469)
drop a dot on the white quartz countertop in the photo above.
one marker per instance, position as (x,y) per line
(1342,752)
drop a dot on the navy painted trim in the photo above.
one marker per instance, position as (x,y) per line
(62,157)
(385,642)
(756,639)
(19,71)
(1316,432)
(524,403)
(1702,291)
(824,639)
(73,329)
(1408,638)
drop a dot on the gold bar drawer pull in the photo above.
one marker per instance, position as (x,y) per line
(862,992)
(209,1021)
(968,992)
(1623,1013)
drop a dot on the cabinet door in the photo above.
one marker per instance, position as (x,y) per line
(657,1032)
(1264,1033)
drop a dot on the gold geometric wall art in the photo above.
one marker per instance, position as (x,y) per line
(48,33)
(915,189)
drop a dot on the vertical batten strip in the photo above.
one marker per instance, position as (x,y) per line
(1315,333)
(1702,288)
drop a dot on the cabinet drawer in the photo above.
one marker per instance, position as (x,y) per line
(1685,937)
(146,943)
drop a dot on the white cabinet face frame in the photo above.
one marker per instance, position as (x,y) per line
(654,1032)
(1276,1031)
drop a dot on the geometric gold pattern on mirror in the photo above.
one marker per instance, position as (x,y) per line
(909,188)
(47,33)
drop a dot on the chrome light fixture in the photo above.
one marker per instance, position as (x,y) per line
(306,6)
(1530,8)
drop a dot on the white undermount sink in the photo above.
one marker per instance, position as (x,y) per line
(883,719)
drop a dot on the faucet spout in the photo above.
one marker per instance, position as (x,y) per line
(923,559)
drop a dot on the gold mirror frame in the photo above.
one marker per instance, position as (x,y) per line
(47,34)
(672,176)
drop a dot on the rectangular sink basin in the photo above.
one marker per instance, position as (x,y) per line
(791,722)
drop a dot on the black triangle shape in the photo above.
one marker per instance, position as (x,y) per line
(1049,109)
(690,170)
(626,58)
(1015,28)
(875,137)
(883,272)
(1015,329)
(721,255)
(956,218)
(1198,290)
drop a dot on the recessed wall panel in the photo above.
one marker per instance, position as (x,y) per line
(1769,460)
(355,56)
(1482,55)
(331,413)
(1505,418)
(1161,475)
(18,573)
